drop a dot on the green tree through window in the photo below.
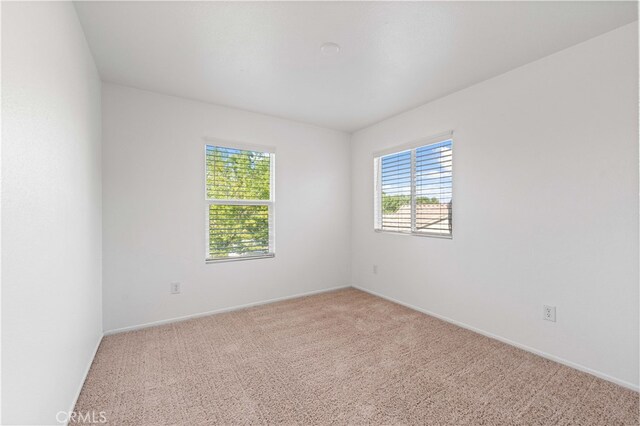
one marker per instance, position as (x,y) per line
(238,189)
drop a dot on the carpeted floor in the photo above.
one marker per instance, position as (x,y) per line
(343,357)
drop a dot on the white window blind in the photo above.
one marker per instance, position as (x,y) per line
(239,193)
(413,190)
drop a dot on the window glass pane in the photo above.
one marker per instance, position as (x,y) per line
(395,183)
(234,174)
(236,231)
(433,188)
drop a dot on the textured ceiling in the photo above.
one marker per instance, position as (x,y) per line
(265,57)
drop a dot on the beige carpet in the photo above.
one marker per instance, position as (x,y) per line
(343,357)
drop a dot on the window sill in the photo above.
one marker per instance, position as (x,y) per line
(239,258)
(415,234)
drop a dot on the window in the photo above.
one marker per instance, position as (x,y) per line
(413,189)
(239,193)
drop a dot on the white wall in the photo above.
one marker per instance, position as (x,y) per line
(155,211)
(546,207)
(51,205)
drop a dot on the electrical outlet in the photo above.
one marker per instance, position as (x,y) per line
(175,288)
(549,313)
(375,269)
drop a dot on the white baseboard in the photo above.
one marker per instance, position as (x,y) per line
(546,355)
(84,376)
(218,311)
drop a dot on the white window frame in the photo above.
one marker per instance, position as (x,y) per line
(215,201)
(377,184)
